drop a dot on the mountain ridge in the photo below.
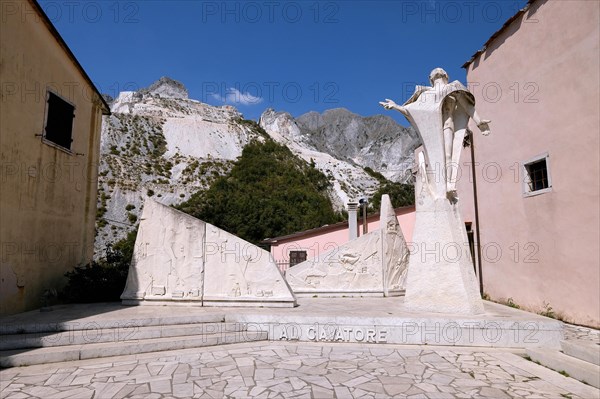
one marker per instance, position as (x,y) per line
(160,143)
(360,140)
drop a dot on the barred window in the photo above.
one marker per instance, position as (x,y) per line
(536,176)
(297,257)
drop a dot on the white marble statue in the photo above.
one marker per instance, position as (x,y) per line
(453,105)
(181,260)
(371,265)
(440,272)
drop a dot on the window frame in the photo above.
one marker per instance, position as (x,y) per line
(525,178)
(46,113)
(299,251)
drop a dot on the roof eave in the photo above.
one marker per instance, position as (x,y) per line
(323,229)
(497,33)
(63,44)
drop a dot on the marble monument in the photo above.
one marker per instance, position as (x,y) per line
(371,265)
(440,274)
(181,260)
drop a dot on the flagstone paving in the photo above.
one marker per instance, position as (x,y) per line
(297,370)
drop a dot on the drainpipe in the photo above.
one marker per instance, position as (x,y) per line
(478,226)
(352,220)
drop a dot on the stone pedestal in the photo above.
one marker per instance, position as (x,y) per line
(440,270)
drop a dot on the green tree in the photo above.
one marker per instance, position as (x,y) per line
(269,192)
(400,195)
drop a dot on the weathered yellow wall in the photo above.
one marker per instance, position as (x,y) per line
(543,248)
(47,196)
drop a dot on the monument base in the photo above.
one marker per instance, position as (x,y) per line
(440,270)
(339,294)
(271,303)
(387,321)
(214,302)
(347,294)
(336,320)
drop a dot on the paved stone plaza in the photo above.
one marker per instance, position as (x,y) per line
(278,369)
(305,370)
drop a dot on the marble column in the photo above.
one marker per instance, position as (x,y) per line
(352,220)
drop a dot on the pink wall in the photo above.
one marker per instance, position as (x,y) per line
(544,248)
(319,243)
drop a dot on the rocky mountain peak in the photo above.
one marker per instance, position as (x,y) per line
(166,87)
(375,141)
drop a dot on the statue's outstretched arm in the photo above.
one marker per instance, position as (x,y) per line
(389,104)
(469,107)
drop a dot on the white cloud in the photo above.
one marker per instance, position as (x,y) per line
(234,96)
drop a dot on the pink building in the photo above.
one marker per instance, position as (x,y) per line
(310,244)
(538,172)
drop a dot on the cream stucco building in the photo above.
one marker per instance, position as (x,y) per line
(50,119)
(538,172)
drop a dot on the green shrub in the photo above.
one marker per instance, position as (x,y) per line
(375,174)
(547,311)
(100,212)
(94,282)
(510,302)
(103,280)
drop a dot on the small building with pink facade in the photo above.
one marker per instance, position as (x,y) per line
(537,173)
(311,244)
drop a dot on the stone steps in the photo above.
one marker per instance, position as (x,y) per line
(561,362)
(40,343)
(119,333)
(583,350)
(52,354)
(73,320)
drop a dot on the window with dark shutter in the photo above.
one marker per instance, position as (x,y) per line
(59,121)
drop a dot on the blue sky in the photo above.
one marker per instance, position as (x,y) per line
(293,56)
